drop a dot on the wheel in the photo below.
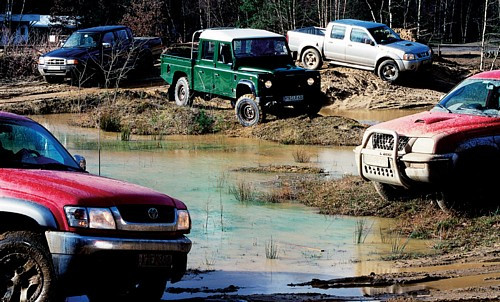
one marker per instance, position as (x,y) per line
(388,71)
(182,92)
(248,112)
(473,188)
(26,272)
(390,192)
(54,79)
(311,59)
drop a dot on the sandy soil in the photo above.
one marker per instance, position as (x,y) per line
(345,89)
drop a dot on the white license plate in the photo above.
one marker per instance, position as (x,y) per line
(376,160)
(54,67)
(155,260)
(293,98)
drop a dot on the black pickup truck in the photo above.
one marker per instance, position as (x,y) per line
(98,54)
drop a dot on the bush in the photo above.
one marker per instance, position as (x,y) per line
(110,122)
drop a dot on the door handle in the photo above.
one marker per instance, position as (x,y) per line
(349,45)
(216,74)
(201,71)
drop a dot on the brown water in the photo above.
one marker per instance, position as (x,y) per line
(231,237)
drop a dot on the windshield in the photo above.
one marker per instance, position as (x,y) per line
(472,96)
(25,144)
(84,40)
(384,35)
(262,47)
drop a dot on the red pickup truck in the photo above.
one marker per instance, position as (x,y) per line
(452,150)
(65,232)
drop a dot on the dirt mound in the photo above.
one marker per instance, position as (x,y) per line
(348,88)
(303,130)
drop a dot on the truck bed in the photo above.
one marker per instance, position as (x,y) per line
(308,35)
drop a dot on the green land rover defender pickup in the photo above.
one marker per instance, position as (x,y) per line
(251,67)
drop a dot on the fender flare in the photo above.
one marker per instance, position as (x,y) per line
(248,84)
(40,214)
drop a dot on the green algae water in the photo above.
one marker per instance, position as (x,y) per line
(235,239)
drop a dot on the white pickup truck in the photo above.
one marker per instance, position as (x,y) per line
(359,44)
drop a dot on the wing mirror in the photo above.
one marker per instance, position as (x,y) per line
(81,162)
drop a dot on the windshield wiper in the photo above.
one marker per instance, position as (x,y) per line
(439,105)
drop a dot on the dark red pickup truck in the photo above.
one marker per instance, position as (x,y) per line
(452,150)
(64,231)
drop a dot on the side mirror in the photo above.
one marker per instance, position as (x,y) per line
(81,162)
(106,45)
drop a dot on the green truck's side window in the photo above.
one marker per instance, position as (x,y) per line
(225,55)
(208,49)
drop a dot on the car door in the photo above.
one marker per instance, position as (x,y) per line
(361,48)
(223,73)
(204,68)
(335,43)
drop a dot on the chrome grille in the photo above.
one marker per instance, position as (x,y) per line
(423,54)
(140,213)
(54,62)
(386,141)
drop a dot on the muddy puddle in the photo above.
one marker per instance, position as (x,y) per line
(232,240)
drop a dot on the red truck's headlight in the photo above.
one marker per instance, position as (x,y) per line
(94,218)
(183,220)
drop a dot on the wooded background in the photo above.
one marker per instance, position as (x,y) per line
(443,21)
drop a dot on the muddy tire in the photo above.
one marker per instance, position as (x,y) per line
(248,112)
(26,271)
(311,59)
(182,93)
(388,71)
(474,187)
(390,192)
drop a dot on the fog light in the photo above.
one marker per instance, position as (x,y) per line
(268,84)
(310,81)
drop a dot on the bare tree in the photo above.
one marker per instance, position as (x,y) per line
(485,21)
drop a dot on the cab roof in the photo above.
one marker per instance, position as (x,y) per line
(230,34)
(12,116)
(104,28)
(360,23)
(488,75)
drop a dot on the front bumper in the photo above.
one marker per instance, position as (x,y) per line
(400,168)
(56,70)
(416,65)
(72,253)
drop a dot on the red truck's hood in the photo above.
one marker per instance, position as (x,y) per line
(59,188)
(430,124)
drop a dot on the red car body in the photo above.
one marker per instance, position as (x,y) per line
(457,143)
(84,231)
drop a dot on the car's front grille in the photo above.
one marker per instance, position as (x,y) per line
(423,54)
(386,141)
(54,61)
(147,213)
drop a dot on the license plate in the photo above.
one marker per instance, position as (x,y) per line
(293,98)
(425,62)
(376,160)
(54,67)
(155,260)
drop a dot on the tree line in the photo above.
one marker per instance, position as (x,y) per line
(444,21)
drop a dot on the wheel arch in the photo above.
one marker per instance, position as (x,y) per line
(22,214)
(384,58)
(177,76)
(245,87)
(306,47)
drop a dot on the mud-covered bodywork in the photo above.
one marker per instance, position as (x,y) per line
(451,142)
(88,229)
